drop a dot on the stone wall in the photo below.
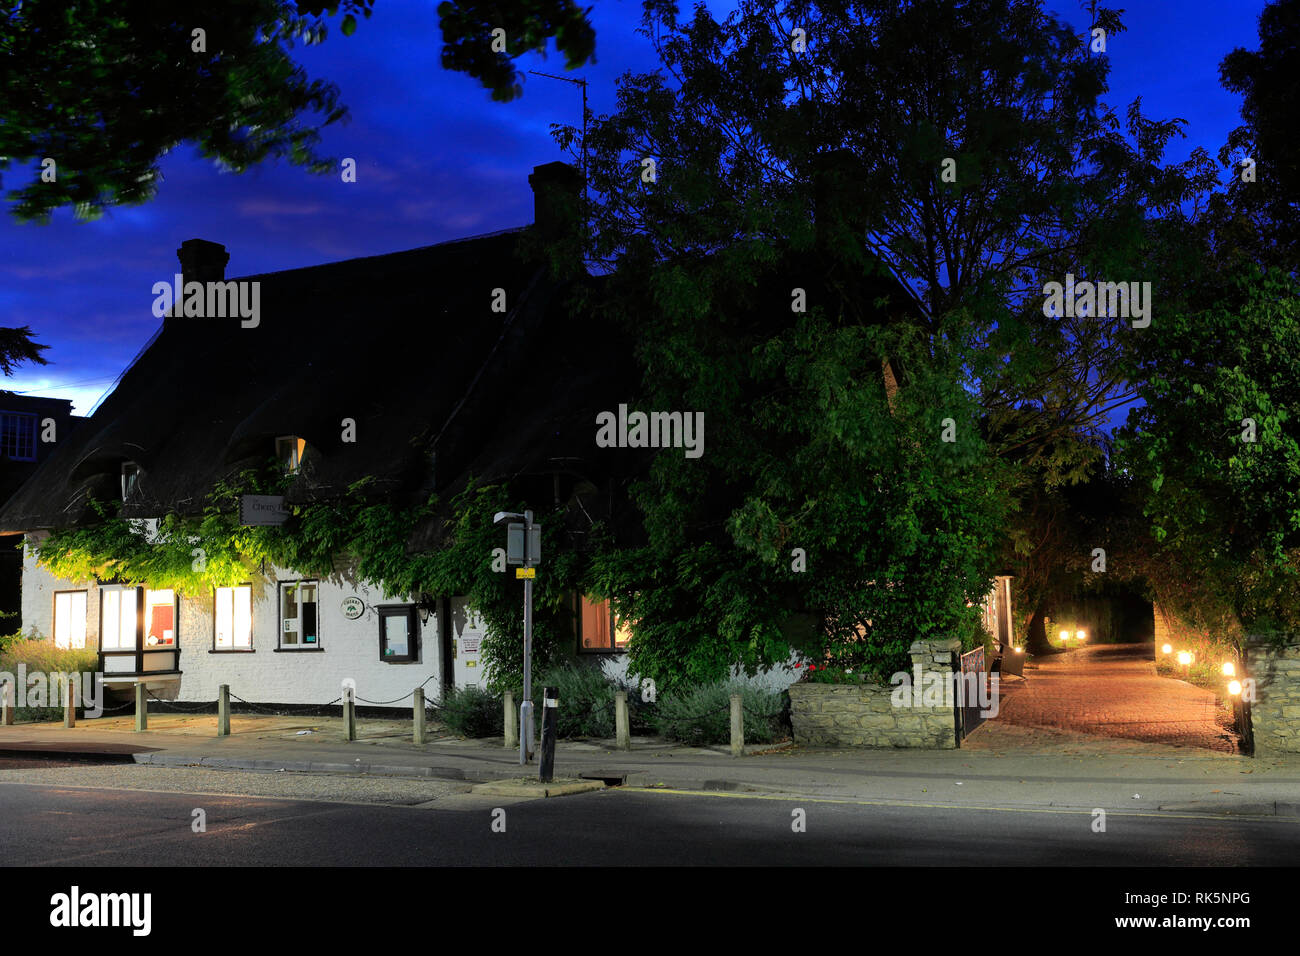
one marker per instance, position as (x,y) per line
(1275,713)
(865,715)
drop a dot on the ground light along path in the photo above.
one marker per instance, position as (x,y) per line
(1090,696)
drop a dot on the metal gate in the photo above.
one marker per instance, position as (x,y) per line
(972,681)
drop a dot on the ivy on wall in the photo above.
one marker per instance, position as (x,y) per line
(354,538)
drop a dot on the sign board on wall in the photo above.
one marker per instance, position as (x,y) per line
(470,643)
(353,608)
(262,510)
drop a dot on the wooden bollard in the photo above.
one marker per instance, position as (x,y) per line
(70,704)
(622,729)
(349,716)
(737,726)
(511,722)
(141,708)
(418,735)
(223,710)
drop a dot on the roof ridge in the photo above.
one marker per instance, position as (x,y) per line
(384,255)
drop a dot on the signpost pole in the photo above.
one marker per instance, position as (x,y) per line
(526,707)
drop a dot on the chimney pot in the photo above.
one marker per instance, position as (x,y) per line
(202,260)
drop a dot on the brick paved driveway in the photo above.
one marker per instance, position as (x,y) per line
(1104,698)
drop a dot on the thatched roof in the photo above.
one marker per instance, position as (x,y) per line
(407,345)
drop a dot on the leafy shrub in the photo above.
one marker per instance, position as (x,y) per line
(472,712)
(41,656)
(586,698)
(702,715)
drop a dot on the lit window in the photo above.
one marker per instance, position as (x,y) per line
(397,634)
(130,479)
(117,615)
(233,618)
(597,628)
(298,615)
(160,618)
(289,451)
(70,619)
(18,436)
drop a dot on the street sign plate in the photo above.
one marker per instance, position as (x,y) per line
(525,572)
(515,544)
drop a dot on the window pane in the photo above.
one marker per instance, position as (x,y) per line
(243,616)
(110,603)
(62,615)
(160,618)
(595,624)
(397,638)
(223,612)
(77,618)
(622,634)
(118,615)
(289,614)
(308,601)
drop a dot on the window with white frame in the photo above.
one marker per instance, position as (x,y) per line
(70,619)
(298,615)
(18,436)
(233,619)
(117,612)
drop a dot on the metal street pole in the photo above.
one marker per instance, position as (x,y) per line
(526,707)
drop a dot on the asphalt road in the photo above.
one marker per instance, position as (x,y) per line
(53,824)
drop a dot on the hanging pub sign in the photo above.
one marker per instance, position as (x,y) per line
(353,608)
(262,510)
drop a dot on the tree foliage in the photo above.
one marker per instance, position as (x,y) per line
(1260,218)
(1214,454)
(467,38)
(105,88)
(821,165)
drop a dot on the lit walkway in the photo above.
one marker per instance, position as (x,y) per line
(1107,698)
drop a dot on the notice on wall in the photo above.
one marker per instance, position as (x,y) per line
(469,644)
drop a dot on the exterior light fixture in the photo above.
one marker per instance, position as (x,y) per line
(1229,670)
(1019,650)
(1166,648)
(1065,635)
(1234,688)
(1081,635)
(1184,658)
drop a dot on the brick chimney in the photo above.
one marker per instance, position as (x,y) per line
(202,261)
(557,201)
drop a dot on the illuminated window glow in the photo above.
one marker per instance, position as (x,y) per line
(233,618)
(70,619)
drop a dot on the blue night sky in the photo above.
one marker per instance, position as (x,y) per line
(438,160)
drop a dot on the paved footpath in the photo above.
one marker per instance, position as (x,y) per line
(1106,697)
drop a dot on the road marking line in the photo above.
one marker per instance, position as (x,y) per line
(1164,815)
